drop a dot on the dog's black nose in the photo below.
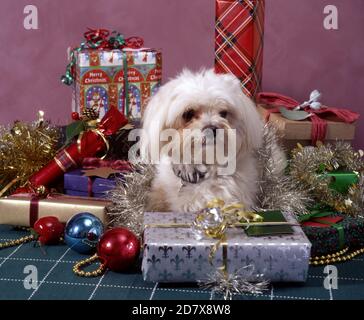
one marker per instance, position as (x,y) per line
(212,128)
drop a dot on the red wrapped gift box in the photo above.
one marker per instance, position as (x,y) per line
(239,31)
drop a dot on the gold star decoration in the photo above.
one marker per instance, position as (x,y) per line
(103,172)
(348,202)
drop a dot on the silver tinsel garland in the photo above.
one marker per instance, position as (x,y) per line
(277,191)
(130,197)
(238,282)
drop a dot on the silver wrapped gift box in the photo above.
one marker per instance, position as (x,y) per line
(172,252)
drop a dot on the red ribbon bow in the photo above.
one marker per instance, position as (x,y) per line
(318,118)
(104,39)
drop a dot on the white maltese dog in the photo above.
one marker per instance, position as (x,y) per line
(205,101)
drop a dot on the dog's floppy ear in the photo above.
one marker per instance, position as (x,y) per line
(252,125)
(154,119)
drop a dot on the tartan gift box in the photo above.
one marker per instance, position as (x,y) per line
(332,233)
(172,252)
(77,184)
(239,32)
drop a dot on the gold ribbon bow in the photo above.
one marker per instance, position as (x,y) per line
(214,220)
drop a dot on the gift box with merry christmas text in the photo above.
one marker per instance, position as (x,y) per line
(172,253)
(123,78)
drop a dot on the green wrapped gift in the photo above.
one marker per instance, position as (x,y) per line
(332,232)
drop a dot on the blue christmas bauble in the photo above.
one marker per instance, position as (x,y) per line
(82,232)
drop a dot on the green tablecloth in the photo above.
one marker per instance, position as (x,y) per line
(57,281)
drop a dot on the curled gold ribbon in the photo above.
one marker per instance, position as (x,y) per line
(229,216)
(98,132)
(8,186)
(234,211)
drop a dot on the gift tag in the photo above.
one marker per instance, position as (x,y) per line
(269,216)
(294,115)
(103,172)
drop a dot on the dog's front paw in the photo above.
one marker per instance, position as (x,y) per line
(190,173)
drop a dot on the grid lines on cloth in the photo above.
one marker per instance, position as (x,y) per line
(57,281)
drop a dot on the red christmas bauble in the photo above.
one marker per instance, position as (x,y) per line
(49,230)
(119,248)
(75,116)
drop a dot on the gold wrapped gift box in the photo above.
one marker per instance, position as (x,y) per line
(16,210)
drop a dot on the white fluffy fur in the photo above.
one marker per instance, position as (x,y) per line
(208,91)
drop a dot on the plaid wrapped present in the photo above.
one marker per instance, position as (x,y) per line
(239,32)
(333,233)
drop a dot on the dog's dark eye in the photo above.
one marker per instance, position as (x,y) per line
(223,114)
(188,115)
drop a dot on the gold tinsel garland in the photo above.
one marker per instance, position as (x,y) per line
(24,149)
(308,162)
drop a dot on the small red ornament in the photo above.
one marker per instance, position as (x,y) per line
(75,116)
(118,248)
(49,230)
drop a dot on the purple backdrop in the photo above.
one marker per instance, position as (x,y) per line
(300,55)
